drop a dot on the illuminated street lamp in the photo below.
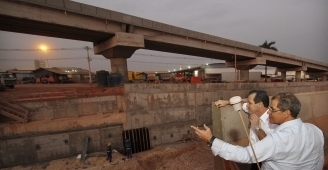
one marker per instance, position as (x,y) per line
(44,48)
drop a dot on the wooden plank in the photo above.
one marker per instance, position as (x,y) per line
(7,114)
(84,149)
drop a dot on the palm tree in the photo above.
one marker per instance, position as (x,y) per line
(269,45)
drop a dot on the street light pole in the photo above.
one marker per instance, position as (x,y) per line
(89,59)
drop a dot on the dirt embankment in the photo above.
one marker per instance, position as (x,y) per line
(191,155)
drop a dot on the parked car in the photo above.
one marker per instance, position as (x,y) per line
(28,80)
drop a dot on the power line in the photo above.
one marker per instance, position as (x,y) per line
(50,49)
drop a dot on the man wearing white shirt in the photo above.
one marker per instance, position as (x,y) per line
(257,108)
(293,145)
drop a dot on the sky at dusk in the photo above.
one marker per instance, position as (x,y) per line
(298,27)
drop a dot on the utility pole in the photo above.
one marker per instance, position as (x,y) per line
(235,66)
(89,59)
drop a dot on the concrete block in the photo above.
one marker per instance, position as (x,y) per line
(147,23)
(178,99)
(157,25)
(56,3)
(103,13)
(117,16)
(135,21)
(167,28)
(93,134)
(228,125)
(157,117)
(89,108)
(191,99)
(51,140)
(74,6)
(53,152)
(137,121)
(199,98)
(13,155)
(155,138)
(191,34)
(175,30)
(127,18)
(159,101)
(104,107)
(183,32)
(111,132)
(142,100)
(42,113)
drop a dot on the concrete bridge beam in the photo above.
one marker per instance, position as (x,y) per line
(246,64)
(323,75)
(118,49)
(301,68)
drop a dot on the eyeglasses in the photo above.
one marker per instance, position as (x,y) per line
(273,111)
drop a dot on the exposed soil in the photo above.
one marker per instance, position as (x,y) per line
(191,155)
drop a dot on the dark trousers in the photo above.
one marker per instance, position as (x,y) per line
(254,166)
(129,153)
(109,156)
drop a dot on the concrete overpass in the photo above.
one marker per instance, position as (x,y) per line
(117,36)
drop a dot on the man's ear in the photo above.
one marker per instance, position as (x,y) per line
(261,104)
(288,113)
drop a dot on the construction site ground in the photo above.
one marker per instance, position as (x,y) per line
(181,155)
(188,155)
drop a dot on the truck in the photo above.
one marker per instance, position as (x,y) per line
(8,80)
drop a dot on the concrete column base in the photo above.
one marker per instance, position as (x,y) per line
(283,75)
(119,65)
(118,49)
(244,75)
(298,76)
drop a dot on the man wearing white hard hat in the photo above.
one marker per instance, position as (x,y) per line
(257,108)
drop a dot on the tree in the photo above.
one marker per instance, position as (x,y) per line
(269,45)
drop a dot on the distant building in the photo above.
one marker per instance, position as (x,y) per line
(20,74)
(62,75)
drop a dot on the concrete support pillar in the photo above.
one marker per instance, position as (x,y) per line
(298,76)
(118,49)
(283,75)
(119,65)
(324,77)
(244,75)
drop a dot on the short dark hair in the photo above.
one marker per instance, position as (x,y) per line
(260,96)
(288,101)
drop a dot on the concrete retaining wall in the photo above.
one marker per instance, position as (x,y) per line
(23,151)
(182,105)
(74,107)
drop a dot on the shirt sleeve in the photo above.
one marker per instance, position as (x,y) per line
(264,149)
